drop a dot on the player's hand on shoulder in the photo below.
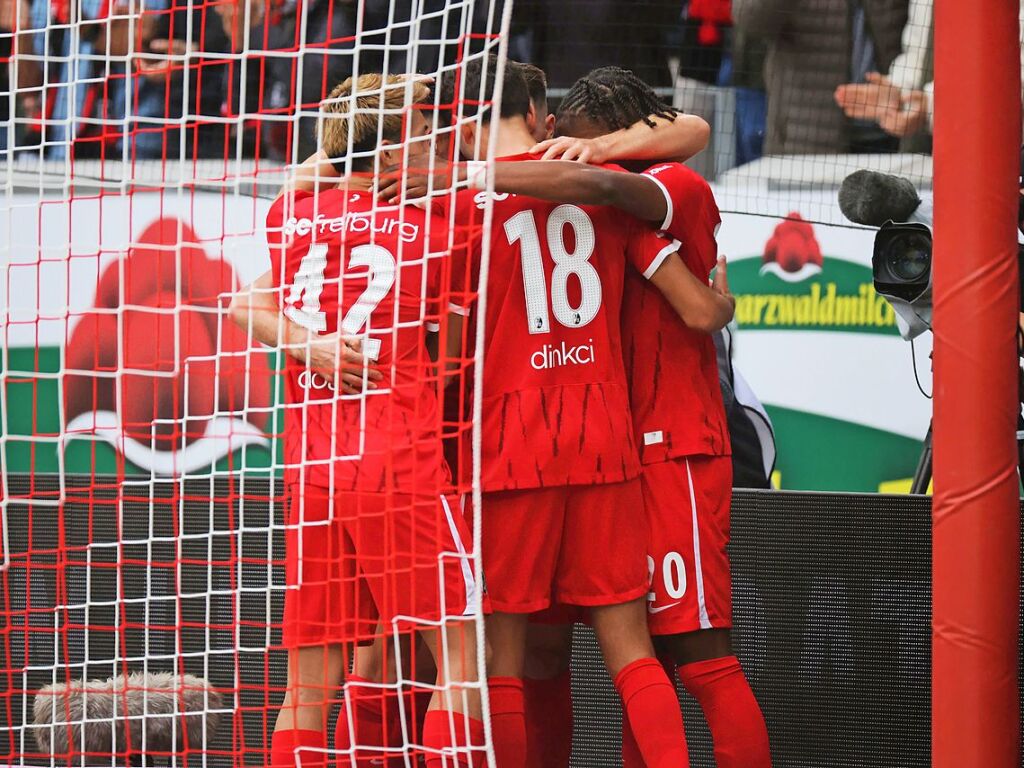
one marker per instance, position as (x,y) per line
(570,148)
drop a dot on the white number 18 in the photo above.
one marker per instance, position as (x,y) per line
(523,228)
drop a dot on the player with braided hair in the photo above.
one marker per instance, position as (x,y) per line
(612,95)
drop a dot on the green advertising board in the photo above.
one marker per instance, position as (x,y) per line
(117,318)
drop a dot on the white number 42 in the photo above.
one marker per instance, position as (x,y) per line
(308,284)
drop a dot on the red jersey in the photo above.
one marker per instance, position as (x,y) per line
(555,399)
(673,370)
(377,273)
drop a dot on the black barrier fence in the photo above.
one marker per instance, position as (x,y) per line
(832,609)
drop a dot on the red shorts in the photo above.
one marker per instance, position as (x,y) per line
(579,544)
(353,559)
(687,501)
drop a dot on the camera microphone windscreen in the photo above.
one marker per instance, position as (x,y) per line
(872,198)
(152,712)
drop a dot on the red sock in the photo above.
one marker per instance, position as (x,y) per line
(508,721)
(548,721)
(631,757)
(369,721)
(650,703)
(290,748)
(417,701)
(439,728)
(734,717)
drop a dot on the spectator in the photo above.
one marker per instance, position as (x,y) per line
(170,34)
(7,32)
(92,105)
(441,39)
(813,46)
(704,44)
(156,82)
(75,110)
(748,55)
(13,14)
(275,86)
(902,103)
(715,54)
(245,30)
(897,103)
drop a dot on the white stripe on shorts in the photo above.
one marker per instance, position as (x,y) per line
(702,608)
(467,571)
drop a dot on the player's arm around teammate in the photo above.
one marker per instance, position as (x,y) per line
(675,136)
(559,181)
(659,136)
(559,465)
(257,307)
(641,195)
(257,311)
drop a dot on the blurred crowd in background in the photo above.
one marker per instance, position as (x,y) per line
(115,78)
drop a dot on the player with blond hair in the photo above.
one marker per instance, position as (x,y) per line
(372,539)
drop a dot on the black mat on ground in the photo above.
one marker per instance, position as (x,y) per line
(832,608)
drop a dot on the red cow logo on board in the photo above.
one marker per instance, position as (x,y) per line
(792,253)
(158,368)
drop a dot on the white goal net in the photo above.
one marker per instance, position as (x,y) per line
(184,496)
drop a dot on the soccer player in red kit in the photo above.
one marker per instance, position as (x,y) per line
(540,122)
(559,465)
(367,516)
(677,407)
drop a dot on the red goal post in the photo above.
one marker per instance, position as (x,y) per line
(976,514)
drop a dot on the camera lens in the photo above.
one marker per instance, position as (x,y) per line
(909,256)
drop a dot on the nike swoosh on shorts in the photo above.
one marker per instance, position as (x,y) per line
(659,609)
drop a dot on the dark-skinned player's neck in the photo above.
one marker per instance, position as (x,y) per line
(514,137)
(579,127)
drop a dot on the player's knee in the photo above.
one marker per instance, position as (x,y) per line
(305,695)
(546,662)
(488,653)
(369,662)
(314,667)
(622,635)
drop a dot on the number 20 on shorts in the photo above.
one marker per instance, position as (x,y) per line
(673,575)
